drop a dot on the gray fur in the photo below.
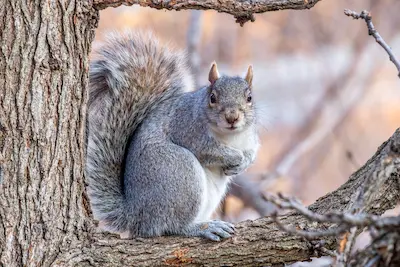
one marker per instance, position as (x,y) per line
(159,157)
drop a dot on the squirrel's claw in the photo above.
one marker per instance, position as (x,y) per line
(214,230)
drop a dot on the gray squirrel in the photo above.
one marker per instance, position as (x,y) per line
(160,155)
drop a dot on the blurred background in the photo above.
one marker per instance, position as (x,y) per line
(326,92)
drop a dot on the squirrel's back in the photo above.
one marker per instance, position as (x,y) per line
(131,74)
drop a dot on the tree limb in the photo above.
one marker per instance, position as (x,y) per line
(242,10)
(256,243)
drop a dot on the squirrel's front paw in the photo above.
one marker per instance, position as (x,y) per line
(236,165)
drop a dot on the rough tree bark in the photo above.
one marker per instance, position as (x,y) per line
(43,77)
(45,218)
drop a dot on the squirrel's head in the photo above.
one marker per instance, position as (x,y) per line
(230,101)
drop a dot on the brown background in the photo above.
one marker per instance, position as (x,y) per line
(306,63)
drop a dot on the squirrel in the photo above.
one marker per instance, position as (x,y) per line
(160,155)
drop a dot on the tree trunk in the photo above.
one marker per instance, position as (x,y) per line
(43,76)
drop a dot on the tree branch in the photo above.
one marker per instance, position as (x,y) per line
(359,220)
(259,242)
(366,15)
(242,10)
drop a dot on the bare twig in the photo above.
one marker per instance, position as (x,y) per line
(366,15)
(359,220)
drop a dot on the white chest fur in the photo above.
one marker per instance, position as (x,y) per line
(214,183)
(214,188)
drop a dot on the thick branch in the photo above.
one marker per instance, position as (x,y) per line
(242,10)
(256,243)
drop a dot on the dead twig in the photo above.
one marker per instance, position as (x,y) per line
(366,15)
(360,220)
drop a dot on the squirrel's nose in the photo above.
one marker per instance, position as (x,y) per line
(232,116)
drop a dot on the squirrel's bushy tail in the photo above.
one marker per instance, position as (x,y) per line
(130,76)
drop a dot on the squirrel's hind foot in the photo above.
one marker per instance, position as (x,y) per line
(213,230)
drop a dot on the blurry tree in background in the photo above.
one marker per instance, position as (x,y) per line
(327,96)
(193,43)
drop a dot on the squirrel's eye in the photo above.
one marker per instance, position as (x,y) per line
(249,98)
(213,99)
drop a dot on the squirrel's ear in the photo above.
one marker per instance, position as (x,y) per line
(214,74)
(249,75)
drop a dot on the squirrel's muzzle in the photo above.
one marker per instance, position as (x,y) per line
(232,116)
